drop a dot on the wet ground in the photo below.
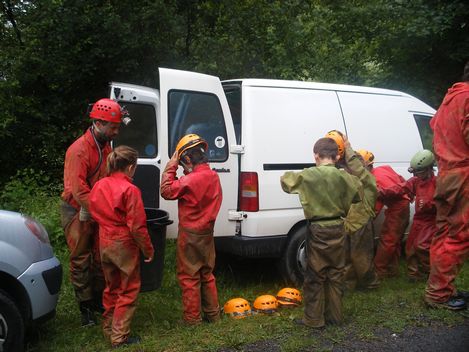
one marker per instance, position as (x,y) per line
(433,338)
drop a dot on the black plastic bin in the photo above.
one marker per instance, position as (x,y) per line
(151,274)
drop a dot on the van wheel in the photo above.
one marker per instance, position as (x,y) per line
(11,325)
(293,262)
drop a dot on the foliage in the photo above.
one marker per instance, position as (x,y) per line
(33,193)
(57,56)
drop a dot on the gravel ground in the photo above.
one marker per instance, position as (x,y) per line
(432,338)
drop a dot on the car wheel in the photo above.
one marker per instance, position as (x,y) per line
(11,325)
(293,262)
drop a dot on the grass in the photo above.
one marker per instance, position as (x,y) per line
(396,305)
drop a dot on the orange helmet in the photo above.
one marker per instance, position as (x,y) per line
(367,156)
(338,137)
(237,308)
(266,304)
(190,141)
(289,297)
(108,110)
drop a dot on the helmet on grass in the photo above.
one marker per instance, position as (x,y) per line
(338,137)
(421,160)
(109,110)
(237,308)
(190,141)
(289,297)
(266,304)
(367,156)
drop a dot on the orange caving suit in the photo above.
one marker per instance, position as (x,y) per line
(423,225)
(81,172)
(450,246)
(116,205)
(396,219)
(199,197)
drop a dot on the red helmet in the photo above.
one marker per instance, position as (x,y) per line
(107,110)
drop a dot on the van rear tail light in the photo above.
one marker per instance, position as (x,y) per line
(37,229)
(249,192)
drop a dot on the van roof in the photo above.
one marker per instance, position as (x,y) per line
(276,83)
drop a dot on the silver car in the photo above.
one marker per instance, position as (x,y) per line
(30,278)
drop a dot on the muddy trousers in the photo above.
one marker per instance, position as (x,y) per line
(86,274)
(121,266)
(450,246)
(324,275)
(396,219)
(418,246)
(195,262)
(359,265)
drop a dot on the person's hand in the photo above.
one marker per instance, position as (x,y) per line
(420,203)
(346,141)
(148,260)
(173,163)
(174,157)
(84,215)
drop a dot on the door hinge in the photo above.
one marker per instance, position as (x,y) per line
(237,149)
(234,215)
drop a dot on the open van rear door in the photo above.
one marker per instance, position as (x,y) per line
(142,134)
(196,103)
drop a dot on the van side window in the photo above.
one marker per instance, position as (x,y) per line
(425,131)
(200,113)
(140,133)
(233,96)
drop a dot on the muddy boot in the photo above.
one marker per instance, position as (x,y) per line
(132,340)
(451,304)
(87,316)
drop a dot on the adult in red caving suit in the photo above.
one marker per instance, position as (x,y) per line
(396,219)
(199,197)
(450,247)
(116,205)
(421,188)
(85,164)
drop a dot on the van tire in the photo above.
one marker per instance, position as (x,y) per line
(11,325)
(292,264)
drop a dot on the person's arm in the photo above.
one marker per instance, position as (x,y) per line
(77,172)
(465,120)
(290,181)
(137,222)
(171,187)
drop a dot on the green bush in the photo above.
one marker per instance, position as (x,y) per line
(32,193)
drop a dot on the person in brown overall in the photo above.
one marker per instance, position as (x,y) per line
(85,164)
(326,194)
(359,268)
(199,196)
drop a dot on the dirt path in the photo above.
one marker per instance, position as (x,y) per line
(433,338)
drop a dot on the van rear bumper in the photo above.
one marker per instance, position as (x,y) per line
(252,247)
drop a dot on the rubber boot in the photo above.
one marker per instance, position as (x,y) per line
(87,316)
(132,340)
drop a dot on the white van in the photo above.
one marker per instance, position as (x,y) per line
(256,130)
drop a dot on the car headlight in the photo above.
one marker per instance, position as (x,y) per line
(36,229)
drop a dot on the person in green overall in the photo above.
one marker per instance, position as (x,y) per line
(326,194)
(359,266)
